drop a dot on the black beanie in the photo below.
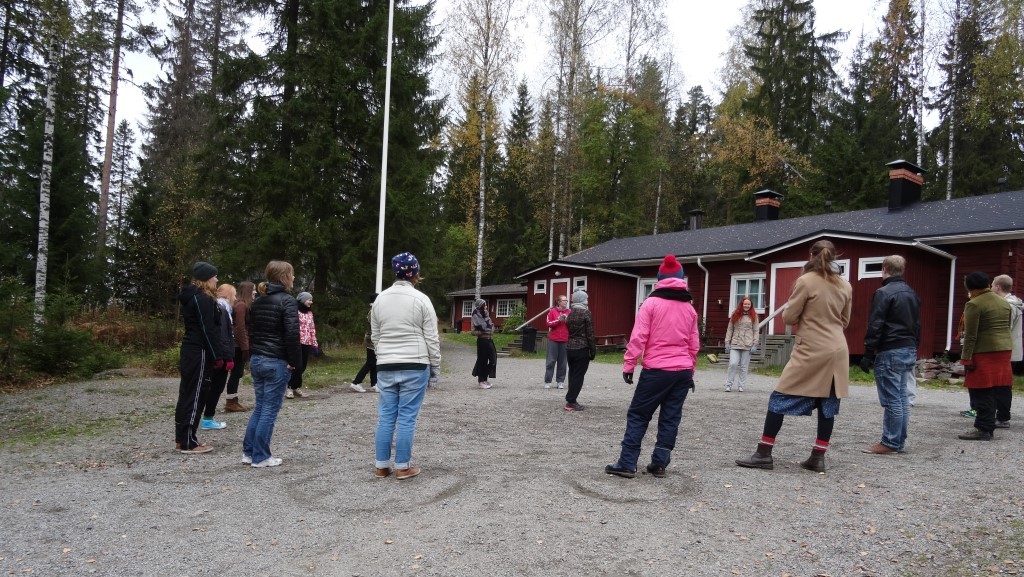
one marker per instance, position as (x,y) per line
(203,271)
(977,280)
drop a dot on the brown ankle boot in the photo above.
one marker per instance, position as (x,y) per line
(816,462)
(233,406)
(761,459)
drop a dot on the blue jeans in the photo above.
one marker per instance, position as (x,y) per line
(400,395)
(892,378)
(269,379)
(655,389)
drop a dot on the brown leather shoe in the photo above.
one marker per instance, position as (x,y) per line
(879,449)
(407,473)
(757,461)
(233,406)
(382,473)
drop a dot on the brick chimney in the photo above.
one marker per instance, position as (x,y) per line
(766,205)
(696,218)
(905,180)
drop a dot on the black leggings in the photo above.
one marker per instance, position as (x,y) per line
(773,424)
(370,366)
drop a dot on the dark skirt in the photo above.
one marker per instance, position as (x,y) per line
(784,404)
(993,370)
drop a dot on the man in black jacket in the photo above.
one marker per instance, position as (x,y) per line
(890,345)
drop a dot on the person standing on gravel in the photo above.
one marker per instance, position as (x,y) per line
(1002,285)
(307,338)
(486,355)
(581,348)
(202,350)
(370,366)
(403,325)
(890,346)
(817,375)
(240,329)
(558,335)
(985,354)
(666,337)
(274,342)
(741,342)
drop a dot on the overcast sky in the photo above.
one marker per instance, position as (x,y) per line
(698,35)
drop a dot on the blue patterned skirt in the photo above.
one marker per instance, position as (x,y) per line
(796,405)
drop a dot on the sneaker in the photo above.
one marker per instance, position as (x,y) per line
(728,388)
(547,385)
(210,424)
(301,393)
(246,460)
(740,389)
(619,471)
(201,448)
(656,470)
(573,407)
(975,435)
(268,462)
(561,385)
(357,387)
(407,473)
(1002,424)
(373,388)
(289,394)
(969,414)
(484,385)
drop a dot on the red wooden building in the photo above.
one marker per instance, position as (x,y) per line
(501,302)
(942,241)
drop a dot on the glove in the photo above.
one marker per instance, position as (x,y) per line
(753,349)
(592,356)
(866,363)
(316,351)
(969,365)
(628,377)
(229,365)
(218,364)
(728,348)
(435,374)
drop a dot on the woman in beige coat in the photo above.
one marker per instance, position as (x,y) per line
(817,375)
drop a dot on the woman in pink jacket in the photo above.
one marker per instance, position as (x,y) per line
(666,337)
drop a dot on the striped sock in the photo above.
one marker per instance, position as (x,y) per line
(820,445)
(768,441)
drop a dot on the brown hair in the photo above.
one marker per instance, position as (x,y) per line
(823,254)
(245,289)
(895,264)
(738,313)
(280,272)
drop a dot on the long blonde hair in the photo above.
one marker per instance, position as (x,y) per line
(204,285)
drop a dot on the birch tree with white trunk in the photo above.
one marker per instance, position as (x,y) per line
(482,45)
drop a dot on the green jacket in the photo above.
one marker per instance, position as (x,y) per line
(986,325)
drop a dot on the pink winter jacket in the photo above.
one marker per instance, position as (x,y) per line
(665,333)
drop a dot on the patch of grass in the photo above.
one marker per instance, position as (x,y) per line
(120,391)
(33,429)
(333,366)
(501,340)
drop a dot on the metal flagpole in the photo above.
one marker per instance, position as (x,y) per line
(384,153)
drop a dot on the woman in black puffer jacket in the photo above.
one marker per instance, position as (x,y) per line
(275,352)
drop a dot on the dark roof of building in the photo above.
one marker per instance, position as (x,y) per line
(494,289)
(976,215)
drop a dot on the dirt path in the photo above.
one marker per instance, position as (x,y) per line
(512,485)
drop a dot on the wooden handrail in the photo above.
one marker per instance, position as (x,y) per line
(537,316)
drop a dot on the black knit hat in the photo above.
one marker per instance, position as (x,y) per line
(977,280)
(203,271)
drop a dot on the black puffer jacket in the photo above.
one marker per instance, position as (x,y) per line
(895,321)
(203,319)
(274,331)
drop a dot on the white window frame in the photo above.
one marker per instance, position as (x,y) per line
(579,283)
(467,309)
(735,293)
(540,287)
(844,268)
(509,304)
(862,267)
(645,287)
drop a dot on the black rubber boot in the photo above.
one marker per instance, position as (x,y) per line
(816,462)
(761,459)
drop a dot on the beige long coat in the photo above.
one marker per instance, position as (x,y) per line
(822,311)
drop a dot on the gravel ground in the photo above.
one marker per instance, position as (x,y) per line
(511,485)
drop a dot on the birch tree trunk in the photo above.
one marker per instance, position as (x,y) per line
(45,176)
(951,149)
(108,150)
(482,197)
(921,82)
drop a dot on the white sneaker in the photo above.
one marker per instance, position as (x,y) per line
(289,394)
(373,388)
(301,393)
(246,460)
(728,388)
(268,462)
(547,385)
(357,387)
(561,385)
(740,389)
(485,385)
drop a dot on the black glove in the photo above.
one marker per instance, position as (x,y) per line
(969,365)
(628,377)
(866,363)
(592,356)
